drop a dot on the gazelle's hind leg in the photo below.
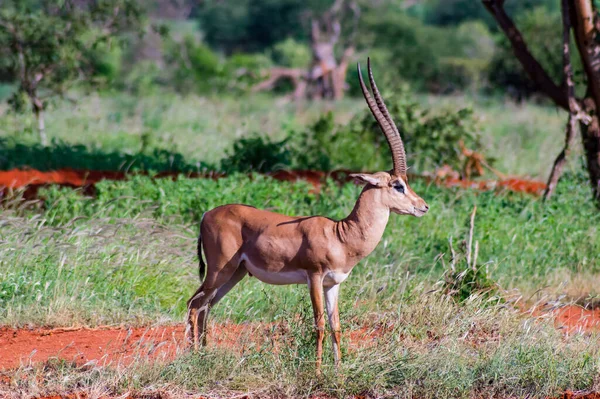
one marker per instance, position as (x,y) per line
(198,308)
(238,275)
(214,287)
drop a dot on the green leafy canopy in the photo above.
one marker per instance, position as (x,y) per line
(46,45)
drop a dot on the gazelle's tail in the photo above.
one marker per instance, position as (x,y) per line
(202,268)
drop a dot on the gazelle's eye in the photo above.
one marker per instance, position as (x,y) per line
(399,187)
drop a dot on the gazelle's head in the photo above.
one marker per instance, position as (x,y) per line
(395,192)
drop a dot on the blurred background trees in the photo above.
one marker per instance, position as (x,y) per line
(434,45)
(46,46)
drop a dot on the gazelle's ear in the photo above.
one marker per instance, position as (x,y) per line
(367,178)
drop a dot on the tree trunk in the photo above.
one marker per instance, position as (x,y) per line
(590,135)
(582,17)
(39,116)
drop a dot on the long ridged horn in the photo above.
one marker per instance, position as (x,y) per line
(387,125)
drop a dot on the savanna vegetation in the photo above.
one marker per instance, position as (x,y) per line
(179,86)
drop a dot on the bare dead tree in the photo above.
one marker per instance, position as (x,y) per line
(326,75)
(297,76)
(582,19)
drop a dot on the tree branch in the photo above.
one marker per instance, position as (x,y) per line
(575,112)
(589,51)
(533,68)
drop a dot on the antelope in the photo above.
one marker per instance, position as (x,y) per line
(240,240)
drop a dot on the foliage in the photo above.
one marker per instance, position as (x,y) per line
(291,53)
(540,29)
(47,45)
(242,71)
(59,155)
(106,61)
(455,12)
(142,78)
(194,66)
(253,25)
(432,140)
(258,154)
(429,57)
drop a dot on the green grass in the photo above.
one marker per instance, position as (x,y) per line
(199,128)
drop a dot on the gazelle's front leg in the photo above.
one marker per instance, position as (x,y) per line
(315,285)
(331,300)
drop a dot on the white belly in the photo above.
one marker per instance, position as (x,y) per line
(277,278)
(333,278)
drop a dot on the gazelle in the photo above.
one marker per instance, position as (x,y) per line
(313,250)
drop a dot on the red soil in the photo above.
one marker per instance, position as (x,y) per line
(121,346)
(105,346)
(32,180)
(573,318)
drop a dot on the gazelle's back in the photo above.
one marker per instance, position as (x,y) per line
(245,233)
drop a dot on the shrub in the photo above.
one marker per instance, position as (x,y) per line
(462,277)
(60,155)
(194,66)
(257,154)
(143,77)
(291,53)
(433,58)
(243,71)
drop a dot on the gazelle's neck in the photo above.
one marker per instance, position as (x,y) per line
(362,230)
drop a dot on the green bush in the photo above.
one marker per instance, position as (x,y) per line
(291,53)
(258,154)
(431,139)
(107,62)
(251,25)
(243,71)
(431,58)
(60,155)
(142,79)
(194,66)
